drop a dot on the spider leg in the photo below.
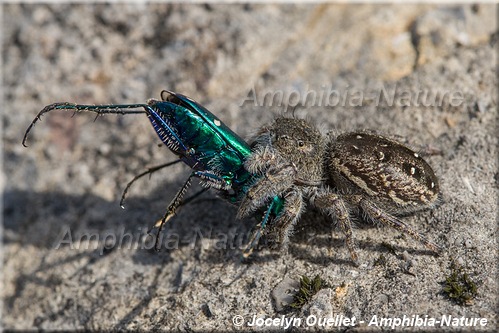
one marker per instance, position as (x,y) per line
(378,214)
(285,222)
(260,159)
(332,204)
(274,182)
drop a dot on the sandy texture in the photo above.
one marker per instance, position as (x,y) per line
(69,180)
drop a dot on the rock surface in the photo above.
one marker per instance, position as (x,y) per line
(423,72)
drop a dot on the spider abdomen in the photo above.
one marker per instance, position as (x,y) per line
(388,172)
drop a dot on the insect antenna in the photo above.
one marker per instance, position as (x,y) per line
(99,109)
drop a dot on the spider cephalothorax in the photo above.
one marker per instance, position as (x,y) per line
(288,158)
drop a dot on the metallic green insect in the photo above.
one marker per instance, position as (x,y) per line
(213,151)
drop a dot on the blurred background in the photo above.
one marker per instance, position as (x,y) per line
(227,57)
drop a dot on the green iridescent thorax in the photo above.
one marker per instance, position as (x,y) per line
(199,138)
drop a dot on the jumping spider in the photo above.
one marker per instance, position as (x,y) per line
(354,172)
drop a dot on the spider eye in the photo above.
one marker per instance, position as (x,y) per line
(283,137)
(301,143)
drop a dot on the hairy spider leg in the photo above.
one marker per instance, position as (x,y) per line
(378,214)
(273,182)
(284,224)
(334,206)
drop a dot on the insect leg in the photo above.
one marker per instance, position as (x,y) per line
(172,208)
(183,203)
(378,214)
(147,172)
(261,227)
(211,179)
(192,197)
